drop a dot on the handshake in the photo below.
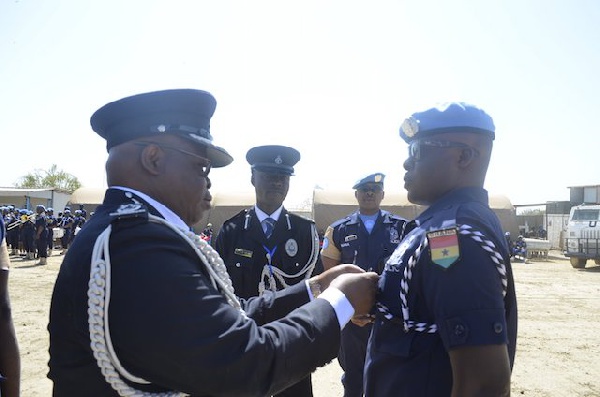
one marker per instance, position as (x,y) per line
(359,287)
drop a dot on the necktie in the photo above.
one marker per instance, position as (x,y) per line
(268,226)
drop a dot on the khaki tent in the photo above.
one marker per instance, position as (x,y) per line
(224,206)
(89,197)
(328,206)
(331,205)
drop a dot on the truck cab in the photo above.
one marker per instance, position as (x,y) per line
(583,235)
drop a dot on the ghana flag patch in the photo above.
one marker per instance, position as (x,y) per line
(443,245)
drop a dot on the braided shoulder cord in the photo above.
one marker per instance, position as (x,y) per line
(490,247)
(99,301)
(464,230)
(271,272)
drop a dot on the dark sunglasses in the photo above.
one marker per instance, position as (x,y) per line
(374,189)
(414,148)
(205,165)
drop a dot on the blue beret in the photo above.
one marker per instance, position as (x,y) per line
(182,112)
(273,159)
(373,178)
(447,117)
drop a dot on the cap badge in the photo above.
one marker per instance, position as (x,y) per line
(161,128)
(278,160)
(410,127)
(377,178)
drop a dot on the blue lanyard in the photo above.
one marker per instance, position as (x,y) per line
(270,254)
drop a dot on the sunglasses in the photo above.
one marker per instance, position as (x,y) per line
(414,148)
(374,189)
(204,165)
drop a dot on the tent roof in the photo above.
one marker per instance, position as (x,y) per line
(245,198)
(88,195)
(346,197)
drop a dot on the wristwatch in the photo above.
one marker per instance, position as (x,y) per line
(315,288)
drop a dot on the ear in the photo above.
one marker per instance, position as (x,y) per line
(356,194)
(252,179)
(152,159)
(382,194)
(467,155)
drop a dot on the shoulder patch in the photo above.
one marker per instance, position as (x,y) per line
(443,246)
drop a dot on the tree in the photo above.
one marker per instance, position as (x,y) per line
(53,178)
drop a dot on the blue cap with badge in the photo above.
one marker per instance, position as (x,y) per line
(447,117)
(373,178)
(273,159)
(181,112)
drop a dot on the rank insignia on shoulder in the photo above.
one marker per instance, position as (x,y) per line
(243,252)
(443,246)
(127,211)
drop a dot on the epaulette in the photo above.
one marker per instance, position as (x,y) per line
(129,211)
(340,222)
(396,217)
(242,213)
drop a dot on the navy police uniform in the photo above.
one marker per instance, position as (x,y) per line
(293,249)
(41,229)
(51,223)
(168,323)
(348,241)
(448,284)
(288,256)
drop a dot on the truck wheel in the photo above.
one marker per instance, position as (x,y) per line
(577,263)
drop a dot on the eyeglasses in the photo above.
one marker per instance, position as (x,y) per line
(414,149)
(367,189)
(205,165)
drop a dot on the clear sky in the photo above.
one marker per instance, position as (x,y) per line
(333,79)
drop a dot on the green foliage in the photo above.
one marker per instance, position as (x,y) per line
(53,178)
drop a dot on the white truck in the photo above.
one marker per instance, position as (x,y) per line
(583,235)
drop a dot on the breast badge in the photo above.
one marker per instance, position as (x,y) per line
(291,247)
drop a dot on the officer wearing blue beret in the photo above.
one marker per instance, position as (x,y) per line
(266,247)
(447,316)
(366,238)
(142,305)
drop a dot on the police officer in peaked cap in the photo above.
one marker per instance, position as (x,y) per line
(266,247)
(137,273)
(446,315)
(366,237)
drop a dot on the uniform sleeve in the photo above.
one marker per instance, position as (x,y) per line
(172,328)
(466,298)
(329,248)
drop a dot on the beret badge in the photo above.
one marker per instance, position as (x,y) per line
(410,126)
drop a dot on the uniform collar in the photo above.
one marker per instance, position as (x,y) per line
(261,215)
(162,209)
(460,195)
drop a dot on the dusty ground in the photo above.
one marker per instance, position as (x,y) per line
(558,350)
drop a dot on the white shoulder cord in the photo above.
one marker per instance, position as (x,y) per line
(272,272)
(99,301)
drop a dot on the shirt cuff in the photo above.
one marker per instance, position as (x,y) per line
(341,305)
